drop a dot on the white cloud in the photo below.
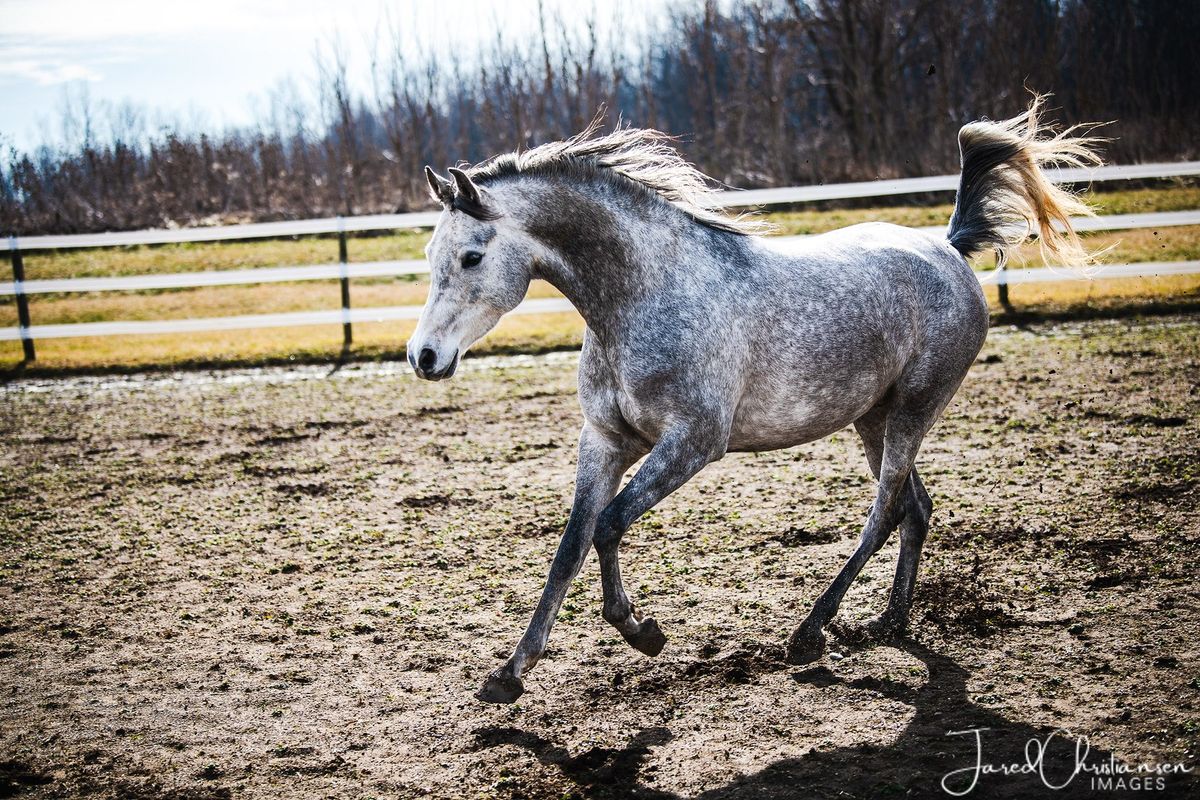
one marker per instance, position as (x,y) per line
(47,42)
(46,72)
(47,63)
(88,20)
(208,57)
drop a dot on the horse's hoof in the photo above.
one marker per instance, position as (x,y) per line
(805,647)
(501,687)
(649,638)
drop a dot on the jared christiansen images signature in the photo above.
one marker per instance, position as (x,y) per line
(1105,775)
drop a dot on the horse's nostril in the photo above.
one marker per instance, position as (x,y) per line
(427,359)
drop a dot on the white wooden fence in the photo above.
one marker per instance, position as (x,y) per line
(344,271)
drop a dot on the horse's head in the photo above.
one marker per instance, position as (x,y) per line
(480,265)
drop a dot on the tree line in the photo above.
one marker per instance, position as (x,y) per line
(765,93)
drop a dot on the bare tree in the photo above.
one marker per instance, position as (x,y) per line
(765,92)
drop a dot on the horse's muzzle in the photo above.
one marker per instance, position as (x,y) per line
(425,365)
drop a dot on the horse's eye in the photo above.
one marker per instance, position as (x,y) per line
(471,259)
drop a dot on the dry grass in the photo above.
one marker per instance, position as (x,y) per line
(1147,244)
(532,333)
(1071,297)
(221,301)
(195,257)
(1170,244)
(527,333)
(1134,201)
(107,262)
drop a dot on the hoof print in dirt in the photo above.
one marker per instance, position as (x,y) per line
(501,687)
(805,648)
(884,629)
(649,638)
(741,665)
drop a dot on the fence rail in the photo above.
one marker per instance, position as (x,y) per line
(388,269)
(343,271)
(1151,269)
(224,277)
(942,183)
(218,233)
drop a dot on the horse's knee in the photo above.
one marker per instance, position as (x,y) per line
(874,536)
(608,531)
(880,526)
(920,498)
(926,512)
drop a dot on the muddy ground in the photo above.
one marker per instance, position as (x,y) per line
(284,585)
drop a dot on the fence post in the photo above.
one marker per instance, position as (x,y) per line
(18,269)
(344,279)
(1002,287)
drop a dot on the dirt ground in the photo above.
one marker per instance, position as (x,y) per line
(282,584)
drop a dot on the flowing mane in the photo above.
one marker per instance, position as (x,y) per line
(641,155)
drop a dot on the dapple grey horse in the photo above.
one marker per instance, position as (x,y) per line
(702,338)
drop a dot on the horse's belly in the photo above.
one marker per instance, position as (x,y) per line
(771,417)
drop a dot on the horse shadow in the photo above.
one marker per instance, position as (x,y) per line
(913,765)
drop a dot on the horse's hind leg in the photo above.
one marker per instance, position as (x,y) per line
(906,425)
(913,529)
(914,525)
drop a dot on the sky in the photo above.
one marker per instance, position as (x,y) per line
(212,63)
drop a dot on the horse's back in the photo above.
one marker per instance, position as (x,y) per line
(883,276)
(881,253)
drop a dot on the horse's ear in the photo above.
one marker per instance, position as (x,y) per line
(440,189)
(467,189)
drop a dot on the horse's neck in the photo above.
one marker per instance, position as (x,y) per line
(607,250)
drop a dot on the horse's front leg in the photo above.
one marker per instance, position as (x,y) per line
(679,455)
(602,462)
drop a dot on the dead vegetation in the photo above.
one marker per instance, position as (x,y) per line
(763,94)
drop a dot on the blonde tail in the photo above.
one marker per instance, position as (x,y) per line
(1003,195)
